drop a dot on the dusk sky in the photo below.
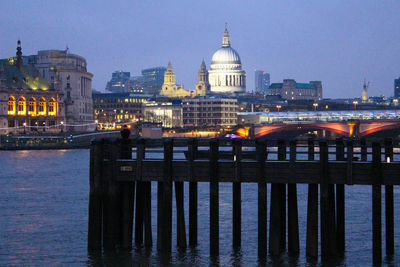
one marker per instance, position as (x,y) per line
(337,42)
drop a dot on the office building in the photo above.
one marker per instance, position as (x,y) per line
(397,88)
(209,112)
(119,83)
(261,82)
(169,114)
(292,90)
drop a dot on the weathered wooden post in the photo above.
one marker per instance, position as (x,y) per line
(140,155)
(237,191)
(376,203)
(340,202)
(165,208)
(111,206)
(128,194)
(349,169)
(214,198)
(262,199)
(192,154)
(389,209)
(180,216)
(95,196)
(328,248)
(143,219)
(312,212)
(293,220)
(277,225)
(364,149)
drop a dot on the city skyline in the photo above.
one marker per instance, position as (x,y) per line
(337,43)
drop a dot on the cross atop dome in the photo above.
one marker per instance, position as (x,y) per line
(225,40)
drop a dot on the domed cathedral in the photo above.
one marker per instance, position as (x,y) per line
(226,75)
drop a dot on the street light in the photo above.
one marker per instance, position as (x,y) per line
(62,126)
(24,127)
(315,106)
(278,107)
(355,103)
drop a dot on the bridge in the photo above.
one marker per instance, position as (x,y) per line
(360,128)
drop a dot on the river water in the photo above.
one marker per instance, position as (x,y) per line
(44,217)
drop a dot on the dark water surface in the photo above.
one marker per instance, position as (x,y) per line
(44,207)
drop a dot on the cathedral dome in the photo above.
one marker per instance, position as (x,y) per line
(226,55)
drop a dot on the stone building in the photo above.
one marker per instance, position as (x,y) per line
(209,112)
(69,73)
(28,103)
(291,90)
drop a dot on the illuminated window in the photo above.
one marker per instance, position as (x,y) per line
(22,106)
(42,107)
(52,107)
(32,107)
(11,105)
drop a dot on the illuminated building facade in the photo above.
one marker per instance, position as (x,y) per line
(209,112)
(69,72)
(170,88)
(291,90)
(226,75)
(397,88)
(169,114)
(28,103)
(115,108)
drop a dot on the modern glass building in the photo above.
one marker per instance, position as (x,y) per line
(397,88)
(261,81)
(119,82)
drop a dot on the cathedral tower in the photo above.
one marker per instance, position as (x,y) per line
(202,85)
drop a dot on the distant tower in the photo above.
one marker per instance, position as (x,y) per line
(19,54)
(169,86)
(364,96)
(202,85)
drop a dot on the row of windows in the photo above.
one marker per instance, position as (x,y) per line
(210,115)
(19,107)
(210,108)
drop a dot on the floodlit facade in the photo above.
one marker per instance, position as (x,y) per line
(169,114)
(28,103)
(226,75)
(292,90)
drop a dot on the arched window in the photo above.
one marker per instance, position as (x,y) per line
(22,106)
(11,105)
(32,107)
(52,107)
(42,107)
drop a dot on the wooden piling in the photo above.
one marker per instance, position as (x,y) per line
(111,203)
(328,240)
(364,149)
(214,198)
(95,196)
(180,216)
(262,199)
(293,220)
(236,195)
(140,193)
(192,153)
(376,203)
(312,212)
(148,236)
(389,208)
(277,228)
(166,212)
(350,151)
(127,196)
(340,203)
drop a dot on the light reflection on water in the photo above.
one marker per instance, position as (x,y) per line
(43,219)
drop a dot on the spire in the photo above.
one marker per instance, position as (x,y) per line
(169,64)
(203,65)
(19,54)
(225,39)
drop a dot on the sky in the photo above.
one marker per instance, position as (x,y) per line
(340,43)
